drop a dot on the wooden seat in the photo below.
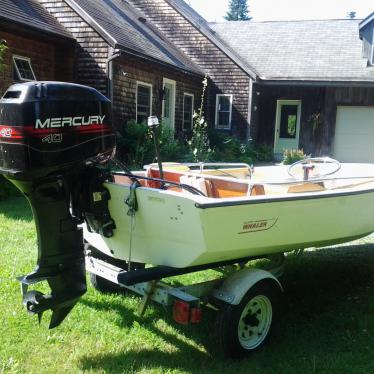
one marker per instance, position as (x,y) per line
(306,187)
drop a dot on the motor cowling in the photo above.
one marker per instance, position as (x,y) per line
(50,126)
(51,134)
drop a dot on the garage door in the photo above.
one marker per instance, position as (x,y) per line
(354,134)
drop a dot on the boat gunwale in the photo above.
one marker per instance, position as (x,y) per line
(284,198)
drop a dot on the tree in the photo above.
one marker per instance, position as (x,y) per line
(351,14)
(238,11)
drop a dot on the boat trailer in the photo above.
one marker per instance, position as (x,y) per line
(245,298)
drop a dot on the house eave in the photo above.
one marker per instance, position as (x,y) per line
(143,56)
(316,83)
(366,21)
(38,33)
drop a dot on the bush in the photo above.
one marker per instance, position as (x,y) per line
(291,156)
(136,145)
(231,149)
(7,189)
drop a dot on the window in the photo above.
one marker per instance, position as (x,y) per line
(22,70)
(143,102)
(188,105)
(223,112)
(372,49)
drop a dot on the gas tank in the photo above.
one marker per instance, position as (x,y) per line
(50,126)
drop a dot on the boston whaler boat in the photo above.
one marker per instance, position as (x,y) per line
(171,219)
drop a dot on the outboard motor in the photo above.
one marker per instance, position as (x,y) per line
(51,135)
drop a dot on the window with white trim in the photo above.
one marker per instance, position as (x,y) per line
(223,112)
(372,49)
(143,101)
(188,105)
(22,69)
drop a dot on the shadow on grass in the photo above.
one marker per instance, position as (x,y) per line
(324,325)
(16,208)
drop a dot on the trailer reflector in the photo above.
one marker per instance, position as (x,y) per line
(181,312)
(196,315)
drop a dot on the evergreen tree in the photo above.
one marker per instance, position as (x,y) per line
(238,11)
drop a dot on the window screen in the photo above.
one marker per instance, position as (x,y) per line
(187,111)
(22,70)
(143,103)
(223,112)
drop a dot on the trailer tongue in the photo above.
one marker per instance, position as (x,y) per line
(51,135)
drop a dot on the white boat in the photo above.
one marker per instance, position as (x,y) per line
(266,213)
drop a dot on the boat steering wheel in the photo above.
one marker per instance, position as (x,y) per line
(310,163)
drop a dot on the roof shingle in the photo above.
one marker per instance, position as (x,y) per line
(129,31)
(31,14)
(325,50)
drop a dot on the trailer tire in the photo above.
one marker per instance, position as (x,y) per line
(103,285)
(245,327)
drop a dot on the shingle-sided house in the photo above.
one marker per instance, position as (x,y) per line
(302,84)
(38,46)
(124,56)
(115,50)
(315,85)
(299,84)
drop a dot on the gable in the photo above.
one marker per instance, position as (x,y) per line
(122,27)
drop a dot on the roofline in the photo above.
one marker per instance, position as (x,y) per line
(11,25)
(366,20)
(86,17)
(314,83)
(114,43)
(134,53)
(218,43)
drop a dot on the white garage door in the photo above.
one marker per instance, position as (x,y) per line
(354,134)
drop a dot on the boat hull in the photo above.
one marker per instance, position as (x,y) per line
(181,230)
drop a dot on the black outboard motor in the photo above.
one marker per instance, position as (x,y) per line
(51,134)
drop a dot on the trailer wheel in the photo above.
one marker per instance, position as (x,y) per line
(103,285)
(245,327)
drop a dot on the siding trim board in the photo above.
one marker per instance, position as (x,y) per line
(85,16)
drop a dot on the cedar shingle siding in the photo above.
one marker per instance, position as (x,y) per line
(92,51)
(130,70)
(225,76)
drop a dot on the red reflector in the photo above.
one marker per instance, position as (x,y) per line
(196,315)
(181,312)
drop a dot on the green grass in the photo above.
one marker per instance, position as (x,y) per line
(327,325)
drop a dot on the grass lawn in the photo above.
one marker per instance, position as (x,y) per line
(327,325)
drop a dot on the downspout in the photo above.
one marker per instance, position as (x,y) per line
(250,102)
(109,63)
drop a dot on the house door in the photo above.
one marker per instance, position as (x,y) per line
(287,125)
(168,104)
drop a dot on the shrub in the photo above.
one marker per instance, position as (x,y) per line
(291,156)
(136,145)
(231,149)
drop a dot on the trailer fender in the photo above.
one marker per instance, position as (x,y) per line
(236,286)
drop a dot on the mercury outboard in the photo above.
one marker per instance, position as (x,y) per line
(52,135)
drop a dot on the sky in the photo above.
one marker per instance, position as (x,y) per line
(274,10)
